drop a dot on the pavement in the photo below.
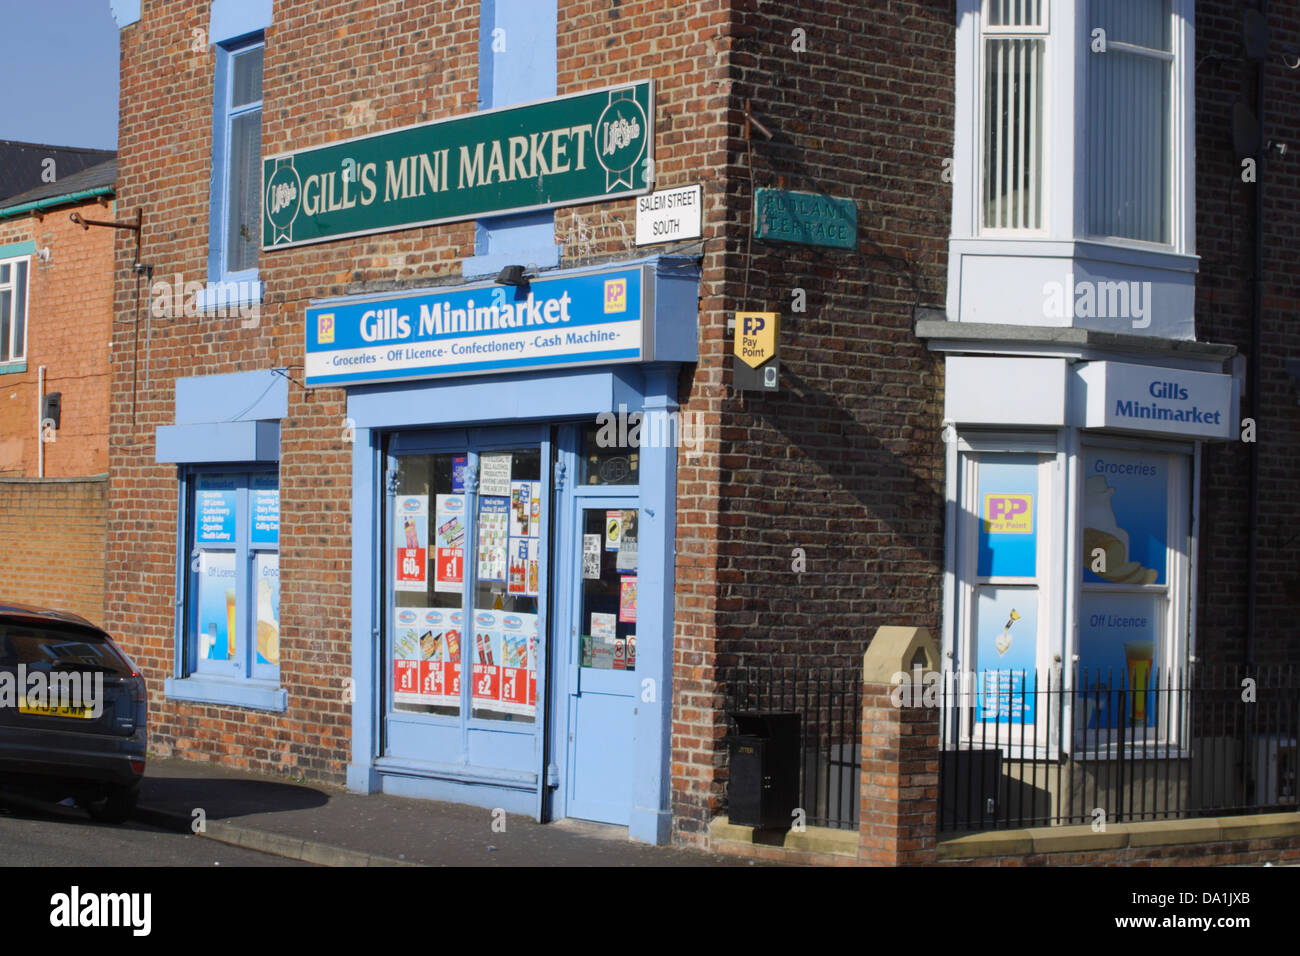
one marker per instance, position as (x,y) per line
(326,825)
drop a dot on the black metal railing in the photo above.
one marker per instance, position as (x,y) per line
(829,703)
(1033,749)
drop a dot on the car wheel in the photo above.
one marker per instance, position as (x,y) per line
(114,806)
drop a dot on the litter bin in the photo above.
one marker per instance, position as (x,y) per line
(763,785)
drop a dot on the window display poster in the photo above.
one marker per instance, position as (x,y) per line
(426,656)
(525,509)
(411,566)
(1008,526)
(1125,517)
(613,529)
(603,626)
(265,510)
(214,506)
(626,562)
(591,557)
(267,569)
(1118,634)
(493,538)
(494,474)
(449,543)
(627,600)
(523,569)
(458,474)
(505,668)
(218,618)
(1006,654)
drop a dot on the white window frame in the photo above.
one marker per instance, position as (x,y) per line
(1174,635)
(966,452)
(12,286)
(986,32)
(1181,119)
(1064,203)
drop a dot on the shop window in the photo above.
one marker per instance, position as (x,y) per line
(609,458)
(436,637)
(1005,571)
(232,619)
(13,310)
(1132,607)
(235,233)
(609,589)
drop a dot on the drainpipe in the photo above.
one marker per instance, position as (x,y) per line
(1256,334)
(40,437)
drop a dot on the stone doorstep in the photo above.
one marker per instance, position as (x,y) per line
(812,840)
(1076,839)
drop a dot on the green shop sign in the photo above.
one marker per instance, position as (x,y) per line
(559,152)
(807,218)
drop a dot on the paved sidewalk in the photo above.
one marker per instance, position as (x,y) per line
(327,825)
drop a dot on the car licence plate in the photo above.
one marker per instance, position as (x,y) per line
(53,710)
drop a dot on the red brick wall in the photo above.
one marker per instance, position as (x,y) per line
(52,543)
(845,462)
(70,313)
(333,72)
(1225,211)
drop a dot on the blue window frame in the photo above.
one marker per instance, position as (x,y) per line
(235,224)
(232,583)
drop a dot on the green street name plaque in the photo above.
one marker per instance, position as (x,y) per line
(810,219)
(559,152)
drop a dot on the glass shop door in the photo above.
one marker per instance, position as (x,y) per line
(466,570)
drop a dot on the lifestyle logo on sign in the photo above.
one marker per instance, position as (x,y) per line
(572,149)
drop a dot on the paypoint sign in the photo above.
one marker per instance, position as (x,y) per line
(756,365)
(1009,514)
(756,337)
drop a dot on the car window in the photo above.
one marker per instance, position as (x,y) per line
(42,648)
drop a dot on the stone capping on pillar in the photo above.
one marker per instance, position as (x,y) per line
(899,792)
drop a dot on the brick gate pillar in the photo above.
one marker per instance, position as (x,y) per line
(899,791)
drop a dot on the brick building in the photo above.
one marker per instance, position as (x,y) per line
(56,318)
(355,471)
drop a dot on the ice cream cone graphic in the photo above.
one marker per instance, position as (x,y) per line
(1003,643)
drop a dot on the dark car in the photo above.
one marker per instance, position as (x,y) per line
(72,712)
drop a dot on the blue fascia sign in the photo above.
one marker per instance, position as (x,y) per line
(597,318)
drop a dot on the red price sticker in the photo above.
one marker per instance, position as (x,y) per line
(451,565)
(431,678)
(406,677)
(411,566)
(514,685)
(487,682)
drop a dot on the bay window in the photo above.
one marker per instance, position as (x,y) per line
(1130,127)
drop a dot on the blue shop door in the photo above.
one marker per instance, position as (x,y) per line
(467,578)
(602,655)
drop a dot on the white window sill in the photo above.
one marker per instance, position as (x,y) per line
(206,689)
(1096,250)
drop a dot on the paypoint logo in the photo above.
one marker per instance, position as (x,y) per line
(615,295)
(756,337)
(1008,514)
(325,328)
